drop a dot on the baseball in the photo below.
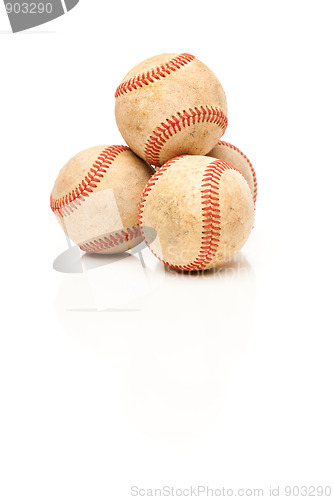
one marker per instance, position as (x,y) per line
(230,154)
(170,105)
(202,210)
(96,195)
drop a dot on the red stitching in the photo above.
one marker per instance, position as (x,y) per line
(255,183)
(210,212)
(152,181)
(154,74)
(112,240)
(67,203)
(174,124)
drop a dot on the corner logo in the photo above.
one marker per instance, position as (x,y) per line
(25,14)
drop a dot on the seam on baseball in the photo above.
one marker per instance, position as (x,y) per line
(255,183)
(152,181)
(154,74)
(68,203)
(179,121)
(110,240)
(211,215)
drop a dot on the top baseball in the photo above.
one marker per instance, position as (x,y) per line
(170,105)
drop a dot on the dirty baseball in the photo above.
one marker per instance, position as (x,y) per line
(95,198)
(169,105)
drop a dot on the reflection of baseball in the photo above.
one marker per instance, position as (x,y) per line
(202,210)
(229,153)
(169,105)
(95,198)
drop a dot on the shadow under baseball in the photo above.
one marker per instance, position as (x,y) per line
(73,260)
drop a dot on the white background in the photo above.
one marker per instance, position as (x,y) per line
(122,375)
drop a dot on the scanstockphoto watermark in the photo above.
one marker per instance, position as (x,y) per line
(26,14)
(195,491)
(292,491)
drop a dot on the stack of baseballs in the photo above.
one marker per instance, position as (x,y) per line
(176,185)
